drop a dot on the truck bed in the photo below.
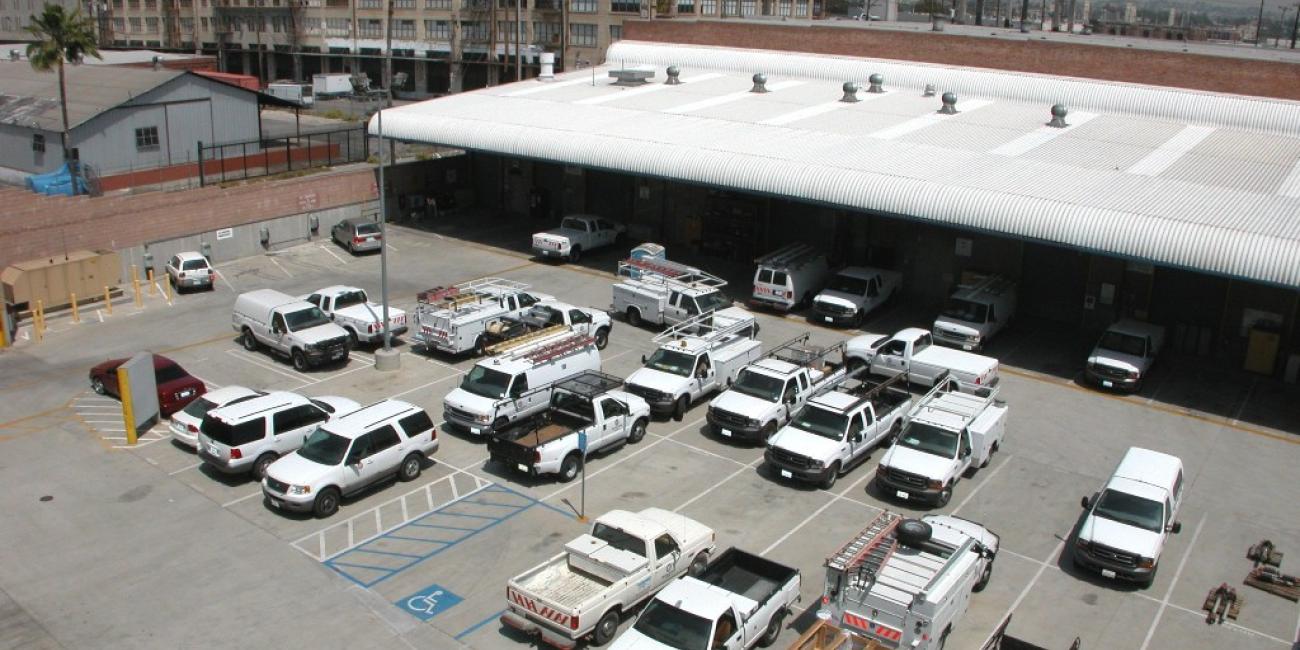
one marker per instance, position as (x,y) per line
(825,636)
(550,425)
(747,575)
(559,584)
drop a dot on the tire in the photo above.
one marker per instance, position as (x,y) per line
(569,467)
(575,255)
(992,450)
(858,318)
(249,341)
(698,564)
(606,628)
(410,469)
(480,346)
(679,409)
(500,424)
(806,301)
(768,431)
(263,462)
(637,434)
(633,316)
(773,630)
(945,495)
(97,385)
(327,503)
(893,434)
(602,338)
(831,476)
(943,639)
(352,339)
(299,361)
(984,578)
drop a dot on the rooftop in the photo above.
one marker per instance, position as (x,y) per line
(1184,178)
(31,98)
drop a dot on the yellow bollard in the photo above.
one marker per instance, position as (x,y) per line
(38,321)
(167,290)
(135,284)
(76,315)
(148,274)
(108,301)
(128,415)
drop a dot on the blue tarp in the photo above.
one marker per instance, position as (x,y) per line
(58,181)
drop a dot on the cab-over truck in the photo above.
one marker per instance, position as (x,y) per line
(455,319)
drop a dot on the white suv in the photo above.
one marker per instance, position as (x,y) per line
(249,436)
(350,454)
(190,270)
(1127,524)
(186,422)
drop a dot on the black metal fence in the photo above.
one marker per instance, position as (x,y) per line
(231,161)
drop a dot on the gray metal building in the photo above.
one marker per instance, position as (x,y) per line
(121,119)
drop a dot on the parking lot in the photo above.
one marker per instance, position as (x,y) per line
(422,563)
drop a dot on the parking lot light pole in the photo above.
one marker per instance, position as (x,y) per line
(387,358)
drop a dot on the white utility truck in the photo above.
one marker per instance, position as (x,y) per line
(947,434)
(912,352)
(595,323)
(331,84)
(853,293)
(455,319)
(837,430)
(602,575)
(695,358)
(740,601)
(1126,525)
(351,309)
(1123,356)
(577,233)
(665,292)
(975,312)
(769,391)
(289,327)
(789,277)
(905,583)
(588,414)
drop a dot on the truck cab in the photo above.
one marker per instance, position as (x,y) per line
(351,309)
(694,358)
(1127,523)
(853,293)
(1124,355)
(975,312)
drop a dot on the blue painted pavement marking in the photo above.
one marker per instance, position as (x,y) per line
(473,628)
(428,602)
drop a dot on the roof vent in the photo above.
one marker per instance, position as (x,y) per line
(929,90)
(631,76)
(13,55)
(760,83)
(850,92)
(1058,116)
(674,74)
(877,83)
(949,103)
(157,62)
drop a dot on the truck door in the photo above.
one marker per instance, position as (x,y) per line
(605,232)
(580,321)
(521,403)
(615,419)
(675,312)
(862,429)
(668,557)
(964,453)
(892,358)
(278,330)
(789,400)
(704,376)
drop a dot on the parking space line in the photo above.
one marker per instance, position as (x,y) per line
(185,469)
(332,254)
(1250,392)
(222,277)
(242,499)
(423,386)
(809,518)
(701,450)
(278,266)
(624,458)
(716,485)
(1173,583)
(984,480)
(473,628)
(1025,592)
(246,357)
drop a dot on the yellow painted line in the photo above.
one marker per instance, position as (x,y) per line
(1172,410)
(10,424)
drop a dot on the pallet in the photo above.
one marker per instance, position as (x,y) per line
(825,636)
(1278,584)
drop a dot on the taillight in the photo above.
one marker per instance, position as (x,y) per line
(573,622)
(358,240)
(434,433)
(235,454)
(374,327)
(537,457)
(191,428)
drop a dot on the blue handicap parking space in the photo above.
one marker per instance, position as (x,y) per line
(428,602)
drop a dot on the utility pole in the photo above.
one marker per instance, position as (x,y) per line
(1024,16)
(1295,23)
(1259,26)
(388,86)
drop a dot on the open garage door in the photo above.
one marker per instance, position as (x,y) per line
(1052,283)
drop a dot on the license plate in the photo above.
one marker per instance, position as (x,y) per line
(276,503)
(522,467)
(1107,573)
(725,432)
(786,473)
(475,430)
(1107,383)
(213,450)
(968,348)
(902,495)
(828,319)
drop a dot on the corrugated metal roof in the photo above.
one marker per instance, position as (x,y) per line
(91,91)
(1123,181)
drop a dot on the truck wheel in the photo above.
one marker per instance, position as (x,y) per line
(699,564)
(480,346)
(352,339)
(263,462)
(633,316)
(944,496)
(893,434)
(327,502)
(679,409)
(831,476)
(602,338)
(984,578)
(569,468)
(606,628)
(638,431)
(410,469)
(858,317)
(250,342)
(299,361)
(943,639)
(575,254)
(773,630)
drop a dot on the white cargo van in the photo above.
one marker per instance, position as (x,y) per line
(288,326)
(789,277)
(975,312)
(1129,521)
(513,384)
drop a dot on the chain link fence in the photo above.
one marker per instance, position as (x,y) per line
(232,161)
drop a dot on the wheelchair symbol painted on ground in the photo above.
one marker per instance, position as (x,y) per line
(429,602)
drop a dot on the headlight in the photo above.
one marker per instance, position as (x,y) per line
(482,418)
(1146,563)
(1133,374)
(1082,544)
(882,468)
(934,484)
(299,489)
(817,464)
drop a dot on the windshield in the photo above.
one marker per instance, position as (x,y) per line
(758,385)
(169,373)
(822,422)
(486,382)
(573,224)
(618,539)
(194,265)
(1123,343)
(305,319)
(671,361)
(199,408)
(1132,510)
(673,627)
(349,298)
(367,229)
(846,284)
(930,439)
(966,310)
(712,302)
(324,447)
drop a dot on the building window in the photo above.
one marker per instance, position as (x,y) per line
(546,33)
(312,26)
(582,35)
(615,33)
(151,4)
(338,26)
(685,6)
(136,25)
(404,29)
(187,25)
(474,31)
(119,25)
(146,139)
(582,6)
(370,28)
(133,5)
(801,8)
(730,7)
(627,6)
(437,30)
(437,4)
(38,143)
(403,4)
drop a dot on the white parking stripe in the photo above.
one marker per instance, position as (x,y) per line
(833,499)
(626,457)
(246,357)
(332,254)
(278,266)
(984,480)
(1025,592)
(184,469)
(717,485)
(423,386)
(1172,583)
(243,498)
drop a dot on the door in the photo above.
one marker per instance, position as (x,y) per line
(614,425)
(890,359)
(704,376)
(580,321)
(369,460)
(607,232)
(668,558)
(278,331)
(789,400)
(522,399)
(290,427)
(862,431)
(174,267)
(676,310)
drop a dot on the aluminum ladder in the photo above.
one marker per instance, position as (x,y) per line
(871,548)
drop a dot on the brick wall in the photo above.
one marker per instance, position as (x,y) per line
(1182,70)
(35,226)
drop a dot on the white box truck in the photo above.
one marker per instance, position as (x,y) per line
(331,84)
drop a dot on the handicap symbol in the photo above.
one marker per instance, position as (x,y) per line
(429,602)
(425,604)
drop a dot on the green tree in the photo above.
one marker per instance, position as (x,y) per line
(61,37)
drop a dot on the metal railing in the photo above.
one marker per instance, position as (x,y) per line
(230,161)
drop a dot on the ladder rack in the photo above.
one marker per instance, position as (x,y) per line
(702,327)
(791,255)
(548,350)
(667,272)
(525,339)
(797,352)
(871,548)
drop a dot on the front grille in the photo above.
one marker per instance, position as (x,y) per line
(728,418)
(333,345)
(277,486)
(906,478)
(956,336)
(1115,556)
(452,412)
(1107,371)
(790,459)
(648,394)
(835,309)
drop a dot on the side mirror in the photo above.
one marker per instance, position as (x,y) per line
(1085,503)
(965,452)
(790,400)
(643,359)
(1176,527)
(857,437)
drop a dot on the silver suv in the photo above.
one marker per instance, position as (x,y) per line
(249,436)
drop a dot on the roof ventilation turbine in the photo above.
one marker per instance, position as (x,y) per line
(850,92)
(157,62)
(674,75)
(949,103)
(877,83)
(929,91)
(1058,116)
(631,76)
(760,83)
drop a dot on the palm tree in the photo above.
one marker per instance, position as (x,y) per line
(61,37)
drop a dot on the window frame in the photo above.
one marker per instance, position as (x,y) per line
(147,139)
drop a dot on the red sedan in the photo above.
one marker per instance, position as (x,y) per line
(176,388)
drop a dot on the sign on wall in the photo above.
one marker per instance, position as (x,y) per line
(225,233)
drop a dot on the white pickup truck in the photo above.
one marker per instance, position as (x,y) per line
(946,435)
(837,430)
(767,392)
(912,352)
(351,309)
(577,233)
(595,323)
(455,319)
(739,602)
(853,293)
(695,358)
(602,575)
(587,406)
(1123,356)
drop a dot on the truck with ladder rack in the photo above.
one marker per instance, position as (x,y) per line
(789,277)
(903,583)
(975,312)
(455,319)
(664,292)
(695,358)
(595,323)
